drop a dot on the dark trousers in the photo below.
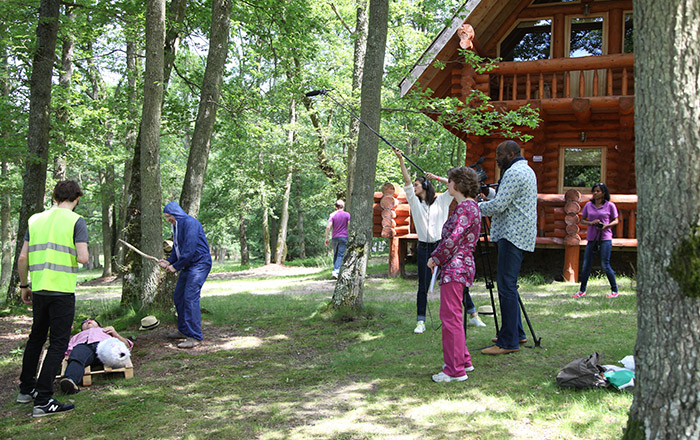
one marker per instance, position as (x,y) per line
(80,357)
(54,313)
(510,259)
(424,276)
(186,299)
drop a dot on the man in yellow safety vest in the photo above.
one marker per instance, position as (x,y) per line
(56,241)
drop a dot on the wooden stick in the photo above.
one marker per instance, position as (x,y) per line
(133,248)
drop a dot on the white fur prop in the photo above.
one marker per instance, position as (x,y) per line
(113,353)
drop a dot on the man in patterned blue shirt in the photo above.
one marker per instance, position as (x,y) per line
(513,215)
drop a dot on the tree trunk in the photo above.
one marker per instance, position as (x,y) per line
(350,286)
(281,254)
(62,112)
(34,177)
(131,73)
(208,104)
(265,225)
(284,222)
(5,230)
(151,203)
(107,199)
(667,132)
(5,201)
(361,29)
(131,287)
(300,223)
(245,256)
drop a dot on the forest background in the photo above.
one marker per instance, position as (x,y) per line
(276,160)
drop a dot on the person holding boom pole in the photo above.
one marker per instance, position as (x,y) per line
(429,214)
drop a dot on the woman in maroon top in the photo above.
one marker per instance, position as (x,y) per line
(455,257)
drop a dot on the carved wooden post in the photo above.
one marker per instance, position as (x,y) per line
(572,240)
(388,203)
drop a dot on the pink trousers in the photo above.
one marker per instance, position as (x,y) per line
(454,348)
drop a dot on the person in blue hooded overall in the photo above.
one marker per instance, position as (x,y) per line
(190,256)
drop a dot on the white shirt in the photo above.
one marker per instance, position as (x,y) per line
(428,220)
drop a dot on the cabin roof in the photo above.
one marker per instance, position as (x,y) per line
(485,16)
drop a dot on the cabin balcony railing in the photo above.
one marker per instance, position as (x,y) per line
(609,75)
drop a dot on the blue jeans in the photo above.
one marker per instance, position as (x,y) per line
(510,259)
(605,251)
(339,244)
(80,357)
(49,312)
(424,275)
(186,299)
(467,301)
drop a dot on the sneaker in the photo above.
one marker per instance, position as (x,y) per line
(476,321)
(579,294)
(188,343)
(68,386)
(420,327)
(613,295)
(26,398)
(53,407)
(442,377)
(468,369)
(334,274)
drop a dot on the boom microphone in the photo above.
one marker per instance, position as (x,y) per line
(317,92)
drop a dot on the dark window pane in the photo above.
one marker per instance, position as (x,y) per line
(530,40)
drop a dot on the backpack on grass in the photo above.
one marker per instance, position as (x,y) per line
(582,373)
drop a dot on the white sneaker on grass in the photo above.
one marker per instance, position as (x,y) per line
(467,369)
(442,377)
(476,321)
(420,327)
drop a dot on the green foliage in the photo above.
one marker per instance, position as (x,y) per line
(684,267)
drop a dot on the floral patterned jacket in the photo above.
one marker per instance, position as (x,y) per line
(455,253)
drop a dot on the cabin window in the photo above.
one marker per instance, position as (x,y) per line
(581,167)
(628,41)
(586,37)
(529,40)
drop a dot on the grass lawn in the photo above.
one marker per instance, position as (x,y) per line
(274,365)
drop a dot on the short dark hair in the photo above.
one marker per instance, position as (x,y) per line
(510,147)
(604,188)
(66,190)
(466,181)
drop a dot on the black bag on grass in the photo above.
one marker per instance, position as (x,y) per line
(582,373)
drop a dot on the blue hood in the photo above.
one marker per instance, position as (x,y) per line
(174,209)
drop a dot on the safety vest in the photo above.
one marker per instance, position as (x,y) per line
(53,259)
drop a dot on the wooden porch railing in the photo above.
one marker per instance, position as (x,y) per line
(558,225)
(609,75)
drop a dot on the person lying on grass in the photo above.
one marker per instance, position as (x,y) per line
(82,351)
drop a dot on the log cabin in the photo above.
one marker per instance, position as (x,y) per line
(573,62)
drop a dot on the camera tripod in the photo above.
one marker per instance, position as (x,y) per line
(483,246)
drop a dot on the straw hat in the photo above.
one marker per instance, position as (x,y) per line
(149,322)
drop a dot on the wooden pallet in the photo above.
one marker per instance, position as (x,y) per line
(128,371)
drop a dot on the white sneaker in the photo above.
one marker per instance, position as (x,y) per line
(476,321)
(420,327)
(442,377)
(467,369)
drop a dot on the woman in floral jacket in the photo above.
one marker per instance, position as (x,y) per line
(455,257)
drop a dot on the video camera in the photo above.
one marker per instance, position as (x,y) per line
(487,190)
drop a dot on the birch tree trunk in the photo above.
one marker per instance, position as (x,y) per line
(34,178)
(667,131)
(151,203)
(208,105)
(349,288)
